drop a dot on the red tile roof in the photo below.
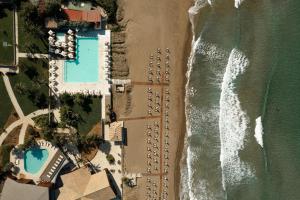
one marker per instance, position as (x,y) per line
(79,16)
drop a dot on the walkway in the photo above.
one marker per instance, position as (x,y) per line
(32,55)
(24,120)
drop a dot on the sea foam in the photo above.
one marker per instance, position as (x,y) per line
(233,123)
(259,131)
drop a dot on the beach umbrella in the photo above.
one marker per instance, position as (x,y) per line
(50,32)
(71,49)
(63,44)
(70,32)
(51,69)
(57,51)
(51,62)
(63,53)
(71,44)
(57,43)
(70,55)
(71,38)
(50,38)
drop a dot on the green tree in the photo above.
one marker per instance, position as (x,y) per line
(68,117)
(110,158)
(67,99)
(20,88)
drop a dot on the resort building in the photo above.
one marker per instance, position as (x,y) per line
(115,132)
(81,184)
(13,190)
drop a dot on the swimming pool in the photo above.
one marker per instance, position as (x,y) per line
(34,159)
(85,68)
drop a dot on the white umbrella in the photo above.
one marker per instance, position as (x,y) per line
(52,43)
(50,32)
(57,43)
(71,44)
(51,62)
(71,38)
(57,51)
(70,32)
(63,53)
(70,55)
(63,44)
(71,49)
(50,38)
(52,70)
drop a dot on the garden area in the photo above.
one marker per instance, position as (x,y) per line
(80,111)
(6,106)
(32,34)
(6,36)
(31,84)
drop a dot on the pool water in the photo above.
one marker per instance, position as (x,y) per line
(85,68)
(34,159)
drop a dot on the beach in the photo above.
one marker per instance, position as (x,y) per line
(160,29)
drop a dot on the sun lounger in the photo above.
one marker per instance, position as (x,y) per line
(17,161)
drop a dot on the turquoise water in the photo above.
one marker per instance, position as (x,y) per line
(34,159)
(86,66)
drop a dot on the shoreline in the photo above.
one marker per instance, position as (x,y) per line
(182,136)
(151,26)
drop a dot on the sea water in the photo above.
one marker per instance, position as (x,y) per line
(243,101)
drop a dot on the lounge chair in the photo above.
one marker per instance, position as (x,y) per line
(17,162)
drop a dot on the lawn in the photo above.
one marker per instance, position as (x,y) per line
(6,106)
(90,114)
(31,84)
(6,37)
(28,42)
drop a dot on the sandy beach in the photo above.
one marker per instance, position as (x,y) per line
(158,39)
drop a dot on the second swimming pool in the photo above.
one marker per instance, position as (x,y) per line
(85,68)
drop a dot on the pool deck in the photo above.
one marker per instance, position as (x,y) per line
(102,87)
(53,151)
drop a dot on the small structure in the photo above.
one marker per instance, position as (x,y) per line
(93,16)
(120,88)
(13,190)
(80,184)
(51,23)
(115,132)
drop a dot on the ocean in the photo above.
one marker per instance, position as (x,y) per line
(243,101)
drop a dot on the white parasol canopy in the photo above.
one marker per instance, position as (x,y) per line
(57,51)
(50,38)
(63,44)
(71,38)
(63,53)
(71,44)
(70,55)
(70,32)
(57,43)
(71,49)
(50,32)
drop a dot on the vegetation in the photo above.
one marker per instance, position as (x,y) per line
(42,121)
(111,7)
(5,104)
(80,111)
(32,34)
(31,84)
(6,35)
(5,154)
(110,158)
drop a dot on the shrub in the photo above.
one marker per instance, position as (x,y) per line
(110,158)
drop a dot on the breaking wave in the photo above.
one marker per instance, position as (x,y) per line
(259,131)
(233,123)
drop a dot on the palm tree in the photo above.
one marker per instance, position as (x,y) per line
(20,88)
